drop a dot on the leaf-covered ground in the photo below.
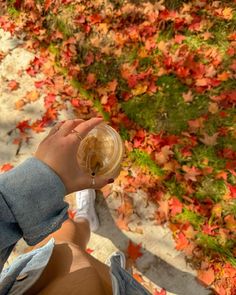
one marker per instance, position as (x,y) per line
(163,74)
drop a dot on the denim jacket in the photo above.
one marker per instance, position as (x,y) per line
(31,205)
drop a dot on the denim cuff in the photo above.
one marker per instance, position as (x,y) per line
(34,193)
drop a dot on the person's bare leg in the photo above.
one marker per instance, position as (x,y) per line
(70,256)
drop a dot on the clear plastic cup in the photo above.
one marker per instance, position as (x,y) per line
(100,153)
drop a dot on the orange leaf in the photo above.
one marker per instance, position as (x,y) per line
(19,104)
(89,251)
(6,167)
(71,213)
(126,208)
(191,172)
(182,241)
(207,277)
(32,95)
(188,96)
(162,292)
(134,251)
(176,206)
(122,223)
(13,85)
(138,278)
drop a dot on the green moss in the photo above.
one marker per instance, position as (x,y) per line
(124,133)
(76,84)
(201,153)
(229,208)
(97,104)
(143,160)
(105,70)
(214,189)
(63,27)
(210,243)
(13,12)
(174,188)
(165,110)
(214,121)
(195,219)
(54,49)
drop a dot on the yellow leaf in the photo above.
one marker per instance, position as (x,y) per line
(227,13)
(223,76)
(140,89)
(32,95)
(213,107)
(19,104)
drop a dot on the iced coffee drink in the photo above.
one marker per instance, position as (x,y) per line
(100,152)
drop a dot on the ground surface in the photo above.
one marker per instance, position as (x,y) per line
(161,73)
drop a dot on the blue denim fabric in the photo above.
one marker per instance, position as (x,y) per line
(33,263)
(123,283)
(31,205)
(30,265)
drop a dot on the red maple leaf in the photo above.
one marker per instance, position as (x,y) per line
(176,206)
(71,213)
(162,292)
(232,189)
(182,241)
(13,85)
(49,100)
(23,125)
(133,251)
(89,251)
(6,167)
(207,277)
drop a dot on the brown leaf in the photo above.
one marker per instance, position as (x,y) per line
(209,140)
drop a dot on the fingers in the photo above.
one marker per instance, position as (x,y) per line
(55,128)
(82,129)
(68,126)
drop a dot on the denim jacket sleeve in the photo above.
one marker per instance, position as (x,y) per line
(31,205)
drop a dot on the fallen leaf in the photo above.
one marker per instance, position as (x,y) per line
(161,292)
(32,96)
(13,85)
(23,125)
(71,213)
(176,206)
(191,172)
(181,241)
(89,251)
(122,223)
(232,189)
(209,140)
(133,251)
(138,278)
(207,277)
(6,167)
(19,104)
(188,96)
(213,108)
(164,155)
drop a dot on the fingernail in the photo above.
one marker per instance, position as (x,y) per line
(111,180)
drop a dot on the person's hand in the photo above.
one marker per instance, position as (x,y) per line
(59,151)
